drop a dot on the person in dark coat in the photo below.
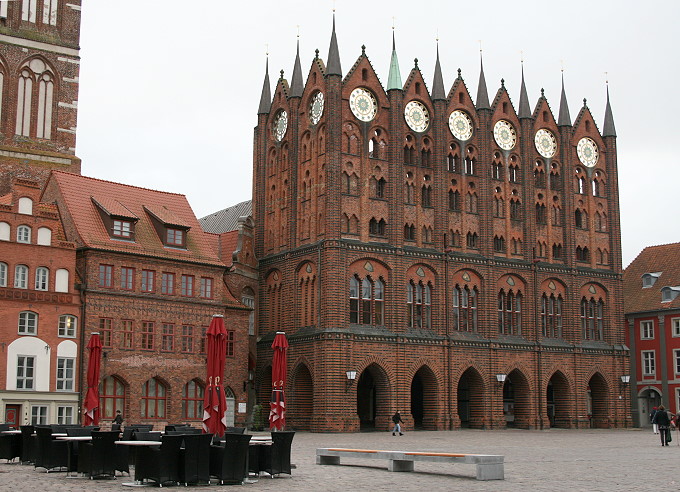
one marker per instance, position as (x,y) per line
(396,418)
(655,428)
(119,418)
(662,419)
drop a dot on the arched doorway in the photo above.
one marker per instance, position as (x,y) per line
(373,399)
(516,400)
(558,397)
(302,401)
(471,399)
(598,397)
(424,399)
(648,398)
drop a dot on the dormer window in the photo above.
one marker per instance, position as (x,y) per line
(122,229)
(669,294)
(649,279)
(175,237)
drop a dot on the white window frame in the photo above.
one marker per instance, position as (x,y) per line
(50,12)
(3,274)
(65,414)
(249,301)
(65,373)
(68,326)
(675,323)
(122,228)
(3,8)
(28,10)
(42,278)
(676,358)
(28,323)
(24,380)
(24,234)
(21,277)
(39,414)
(647,330)
(648,362)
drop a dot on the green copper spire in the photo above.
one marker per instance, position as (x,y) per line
(394,80)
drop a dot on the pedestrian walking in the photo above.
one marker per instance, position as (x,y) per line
(396,418)
(662,419)
(652,414)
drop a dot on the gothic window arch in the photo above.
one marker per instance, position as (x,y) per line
(192,400)
(582,254)
(499,244)
(515,209)
(516,246)
(112,397)
(499,207)
(541,215)
(513,170)
(539,174)
(510,312)
(366,301)
(472,240)
(273,299)
(307,294)
(154,399)
(377,227)
(426,195)
(472,202)
(551,315)
(453,239)
(35,99)
(555,181)
(426,154)
(419,304)
(556,215)
(557,251)
(464,302)
(410,232)
(454,200)
(427,235)
(453,159)
(497,167)
(581,186)
(592,318)
(409,151)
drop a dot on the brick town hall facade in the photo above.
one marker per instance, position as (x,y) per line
(462,257)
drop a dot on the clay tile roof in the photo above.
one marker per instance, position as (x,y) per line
(663,258)
(228,243)
(6,199)
(113,207)
(173,208)
(166,216)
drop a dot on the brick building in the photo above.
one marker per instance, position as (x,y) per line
(150,282)
(651,284)
(462,258)
(40,312)
(39,69)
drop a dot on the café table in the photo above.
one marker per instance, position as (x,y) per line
(72,457)
(137,483)
(256,448)
(11,432)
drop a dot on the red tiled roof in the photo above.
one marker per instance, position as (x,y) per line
(664,258)
(166,216)
(78,191)
(113,207)
(228,243)
(6,199)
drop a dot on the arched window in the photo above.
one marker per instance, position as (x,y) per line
(36,81)
(153,399)
(379,187)
(3,274)
(409,232)
(25,206)
(472,203)
(61,280)
(21,277)
(426,196)
(409,155)
(28,323)
(551,315)
(469,166)
(515,210)
(581,185)
(509,313)
(23,234)
(556,215)
(472,240)
(425,155)
(499,244)
(192,401)
(464,308)
(4,231)
(376,228)
(111,397)
(592,319)
(541,216)
(418,302)
(454,200)
(453,160)
(68,325)
(42,278)
(499,207)
(44,236)
(557,251)
(366,301)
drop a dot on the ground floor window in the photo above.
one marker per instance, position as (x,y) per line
(39,415)
(153,400)
(64,415)
(192,401)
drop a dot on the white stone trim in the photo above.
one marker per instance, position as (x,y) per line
(67,130)
(68,60)
(37,45)
(74,7)
(34,157)
(75,80)
(74,105)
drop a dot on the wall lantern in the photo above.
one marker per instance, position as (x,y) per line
(501,377)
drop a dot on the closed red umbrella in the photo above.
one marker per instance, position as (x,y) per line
(91,402)
(214,402)
(277,412)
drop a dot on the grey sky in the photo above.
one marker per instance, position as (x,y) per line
(169,88)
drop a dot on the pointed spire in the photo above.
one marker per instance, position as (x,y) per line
(564,119)
(438,83)
(266,97)
(394,79)
(524,109)
(482,95)
(296,81)
(333,67)
(608,130)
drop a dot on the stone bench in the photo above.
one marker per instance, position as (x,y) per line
(489,467)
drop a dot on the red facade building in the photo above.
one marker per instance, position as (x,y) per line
(461,259)
(652,307)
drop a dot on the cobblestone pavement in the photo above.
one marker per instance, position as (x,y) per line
(560,460)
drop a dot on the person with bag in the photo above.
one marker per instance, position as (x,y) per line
(652,414)
(662,419)
(396,418)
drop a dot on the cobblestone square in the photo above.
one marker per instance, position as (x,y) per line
(556,459)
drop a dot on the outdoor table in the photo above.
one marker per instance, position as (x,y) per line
(11,432)
(12,444)
(137,483)
(72,462)
(256,447)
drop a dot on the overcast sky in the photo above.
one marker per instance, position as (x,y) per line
(169,89)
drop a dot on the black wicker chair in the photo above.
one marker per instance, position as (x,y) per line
(194,460)
(10,446)
(29,444)
(95,457)
(51,453)
(229,460)
(5,427)
(275,459)
(147,436)
(159,464)
(78,431)
(236,430)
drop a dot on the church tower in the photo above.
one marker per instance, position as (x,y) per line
(39,77)
(457,259)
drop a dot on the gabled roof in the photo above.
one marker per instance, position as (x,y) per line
(226,219)
(76,195)
(113,207)
(664,258)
